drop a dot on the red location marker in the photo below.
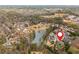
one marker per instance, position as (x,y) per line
(60,35)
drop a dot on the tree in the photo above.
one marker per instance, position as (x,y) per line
(58,20)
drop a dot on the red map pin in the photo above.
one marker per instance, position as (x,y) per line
(60,35)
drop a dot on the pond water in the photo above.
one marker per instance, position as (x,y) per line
(39,37)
